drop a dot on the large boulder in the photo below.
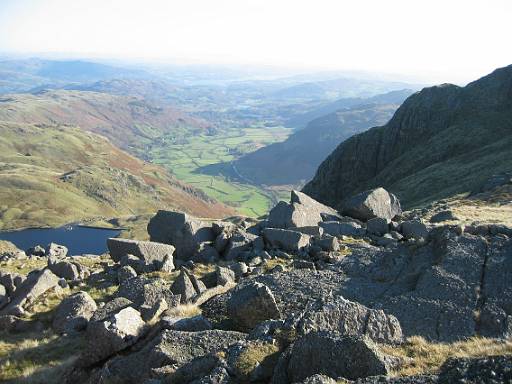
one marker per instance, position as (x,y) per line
(154,255)
(284,239)
(168,348)
(183,286)
(336,228)
(351,319)
(73,313)
(68,270)
(332,355)
(373,203)
(251,304)
(180,230)
(34,286)
(414,229)
(110,335)
(302,211)
(56,250)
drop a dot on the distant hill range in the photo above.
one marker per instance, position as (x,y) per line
(294,161)
(130,123)
(442,141)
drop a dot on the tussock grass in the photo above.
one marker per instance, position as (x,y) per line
(422,357)
(36,357)
(184,310)
(256,354)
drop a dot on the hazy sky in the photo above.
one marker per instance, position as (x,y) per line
(451,39)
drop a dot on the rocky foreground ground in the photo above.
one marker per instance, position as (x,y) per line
(308,295)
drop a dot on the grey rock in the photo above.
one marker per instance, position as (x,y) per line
(378,226)
(35,285)
(151,311)
(68,270)
(151,253)
(4,298)
(251,304)
(302,211)
(167,348)
(351,319)
(224,275)
(183,286)
(207,254)
(239,269)
(335,228)
(37,250)
(423,379)
(239,242)
(328,243)
(111,335)
(124,273)
(313,230)
(348,357)
(303,264)
(110,308)
(488,370)
(373,203)
(443,216)
(14,324)
(73,313)
(11,281)
(259,367)
(318,379)
(285,239)
(180,230)
(56,250)
(414,229)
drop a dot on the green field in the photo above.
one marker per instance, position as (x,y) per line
(185,156)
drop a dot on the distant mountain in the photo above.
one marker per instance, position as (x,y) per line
(23,75)
(442,141)
(295,160)
(51,175)
(128,122)
(339,88)
(393,97)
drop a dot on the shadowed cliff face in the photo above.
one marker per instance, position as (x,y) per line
(442,141)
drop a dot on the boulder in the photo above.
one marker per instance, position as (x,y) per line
(4,298)
(302,211)
(251,304)
(378,226)
(68,270)
(373,203)
(489,370)
(56,250)
(336,228)
(224,275)
(328,243)
(180,230)
(239,242)
(414,229)
(153,254)
(124,273)
(349,318)
(35,285)
(286,240)
(253,361)
(73,313)
(11,281)
(323,352)
(110,308)
(37,250)
(111,335)
(318,379)
(168,348)
(183,286)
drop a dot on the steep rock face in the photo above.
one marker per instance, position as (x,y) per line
(438,143)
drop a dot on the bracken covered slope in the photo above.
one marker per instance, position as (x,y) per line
(51,175)
(442,141)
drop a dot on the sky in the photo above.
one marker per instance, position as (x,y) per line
(445,40)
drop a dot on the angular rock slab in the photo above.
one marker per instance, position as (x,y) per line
(180,230)
(151,253)
(284,239)
(322,352)
(73,313)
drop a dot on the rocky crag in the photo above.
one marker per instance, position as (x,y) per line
(442,141)
(307,295)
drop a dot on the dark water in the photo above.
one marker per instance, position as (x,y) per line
(78,240)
